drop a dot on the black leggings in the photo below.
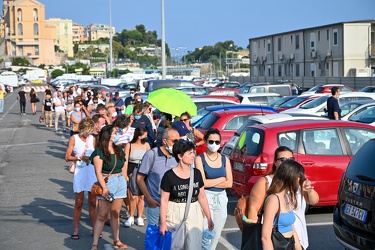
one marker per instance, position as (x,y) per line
(22,107)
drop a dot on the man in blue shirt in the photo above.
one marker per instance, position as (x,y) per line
(333,107)
(119,103)
(154,164)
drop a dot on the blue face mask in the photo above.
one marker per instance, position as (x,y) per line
(137,117)
(162,118)
(116,139)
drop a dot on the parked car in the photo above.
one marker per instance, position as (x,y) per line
(367,89)
(151,85)
(264,119)
(259,98)
(281,89)
(281,101)
(204,112)
(354,213)
(323,147)
(228,85)
(224,91)
(192,91)
(227,122)
(326,89)
(300,89)
(367,117)
(353,108)
(296,102)
(205,101)
(319,105)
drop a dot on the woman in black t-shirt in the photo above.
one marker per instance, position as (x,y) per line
(174,192)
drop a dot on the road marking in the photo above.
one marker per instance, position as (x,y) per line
(319,224)
(226,243)
(27,144)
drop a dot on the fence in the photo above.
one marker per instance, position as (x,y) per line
(354,82)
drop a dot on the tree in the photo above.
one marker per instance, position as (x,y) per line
(56,73)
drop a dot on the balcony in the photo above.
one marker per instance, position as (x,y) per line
(27,42)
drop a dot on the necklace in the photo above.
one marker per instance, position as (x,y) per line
(217,155)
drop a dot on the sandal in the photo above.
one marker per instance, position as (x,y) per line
(119,244)
(100,235)
(74,237)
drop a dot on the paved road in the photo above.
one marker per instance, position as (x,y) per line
(37,197)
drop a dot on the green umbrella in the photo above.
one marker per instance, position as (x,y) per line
(172,101)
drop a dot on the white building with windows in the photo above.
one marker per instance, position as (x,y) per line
(335,50)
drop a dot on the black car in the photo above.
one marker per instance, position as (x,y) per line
(300,89)
(354,214)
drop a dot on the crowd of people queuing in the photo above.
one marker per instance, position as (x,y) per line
(146,164)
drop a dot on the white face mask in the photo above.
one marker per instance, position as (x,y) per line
(213,147)
(169,148)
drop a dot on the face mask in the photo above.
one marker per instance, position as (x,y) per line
(132,95)
(213,147)
(169,148)
(137,117)
(139,99)
(77,109)
(162,118)
(116,139)
(114,115)
(144,140)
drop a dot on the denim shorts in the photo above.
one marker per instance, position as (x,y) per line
(117,187)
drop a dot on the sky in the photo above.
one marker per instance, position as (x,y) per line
(192,24)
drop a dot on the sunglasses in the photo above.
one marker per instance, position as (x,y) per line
(187,119)
(95,102)
(212,142)
(282,159)
(174,141)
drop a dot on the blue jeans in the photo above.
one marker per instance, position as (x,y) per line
(153,215)
(1,105)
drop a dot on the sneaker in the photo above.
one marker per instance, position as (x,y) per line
(144,217)
(139,222)
(129,222)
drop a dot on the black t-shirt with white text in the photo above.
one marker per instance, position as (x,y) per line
(179,188)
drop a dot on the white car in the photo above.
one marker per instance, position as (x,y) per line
(258,98)
(264,119)
(354,108)
(367,117)
(318,106)
(202,102)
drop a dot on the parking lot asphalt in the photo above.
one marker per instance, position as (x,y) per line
(37,197)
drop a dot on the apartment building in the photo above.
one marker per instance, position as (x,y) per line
(96,31)
(27,34)
(79,33)
(64,34)
(335,50)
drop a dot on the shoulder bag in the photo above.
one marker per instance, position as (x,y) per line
(96,188)
(278,240)
(133,185)
(179,232)
(252,233)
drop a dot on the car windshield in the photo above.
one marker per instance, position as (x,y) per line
(367,116)
(209,121)
(367,89)
(292,103)
(315,88)
(201,113)
(315,103)
(347,107)
(281,101)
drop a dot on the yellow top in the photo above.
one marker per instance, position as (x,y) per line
(2,94)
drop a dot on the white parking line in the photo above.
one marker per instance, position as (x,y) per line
(26,144)
(226,243)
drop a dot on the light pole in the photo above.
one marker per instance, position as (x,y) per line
(163,61)
(110,37)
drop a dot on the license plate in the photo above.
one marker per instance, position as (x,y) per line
(355,212)
(238,166)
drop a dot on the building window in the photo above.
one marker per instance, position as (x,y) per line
(312,69)
(36,50)
(279,70)
(297,69)
(19,15)
(268,45)
(297,41)
(20,29)
(335,37)
(312,40)
(20,50)
(269,70)
(291,40)
(327,35)
(318,35)
(35,15)
(279,44)
(36,29)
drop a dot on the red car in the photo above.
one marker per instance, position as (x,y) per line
(219,97)
(323,147)
(224,92)
(326,89)
(295,102)
(227,122)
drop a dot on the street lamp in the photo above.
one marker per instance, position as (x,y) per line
(163,61)
(110,36)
